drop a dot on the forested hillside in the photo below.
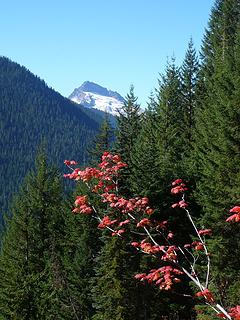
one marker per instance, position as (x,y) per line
(75,258)
(32,113)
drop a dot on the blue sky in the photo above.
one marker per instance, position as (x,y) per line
(114,43)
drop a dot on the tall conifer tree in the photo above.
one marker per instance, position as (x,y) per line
(114,288)
(144,156)
(81,246)
(32,283)
(102,142)
(170,128)
(217,141)
(189,80)
(128,127)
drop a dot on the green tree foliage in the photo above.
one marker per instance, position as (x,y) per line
(189,81)
(117,295)
(102,142)
(170,119)
(158,156)
(157,152)
(30,112)
(81,246)
(51,264)
(144,156)
(128,127)
(165,140)
(113,286)
(217,146)
(157,149)
(32,283)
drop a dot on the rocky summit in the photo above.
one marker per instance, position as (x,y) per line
(92,95)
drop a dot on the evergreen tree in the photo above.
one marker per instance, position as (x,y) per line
(81,246)
(114,288)
(149,178)
(166,133)
(128,127)
(144,156)
(217,143)
(160,145)
(117,295)
(189,80)
(102,142)
(29,112)
(32,283)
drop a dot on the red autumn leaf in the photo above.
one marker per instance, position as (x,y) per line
(170,235)
(144,222)
(106,221)
(174,183)
(85,209)
(70,162)
(149,211)
(235,209)
(221,315)
(76,210)
(135,244)
(236,216)
(140,276)
(205,232)
(235,313)
(118,232)
(207,294)
(198,246)
(122,223)
(116,158)
(183,204)
(179,189)
(80,200)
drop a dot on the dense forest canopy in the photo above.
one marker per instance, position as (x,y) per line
(57,265)
(31,113)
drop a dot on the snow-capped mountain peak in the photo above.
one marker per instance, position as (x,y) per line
(92,95)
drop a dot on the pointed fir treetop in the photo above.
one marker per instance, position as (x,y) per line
(128,125)
(221,33)
(131,106)
(190,66)
(168,94)
(102,142)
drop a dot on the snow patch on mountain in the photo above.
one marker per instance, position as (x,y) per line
(92,95)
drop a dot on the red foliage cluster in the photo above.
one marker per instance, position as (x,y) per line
(178,186)
(82,205)
(236,216)
(148,247)
(144,222)
(163,277)
(205,232)
(121,211)
(109,166)
(106,222)
(197,245)
(127,206)
(206,294)
(233,312)
(180,204)
(103,180)
(70,163)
